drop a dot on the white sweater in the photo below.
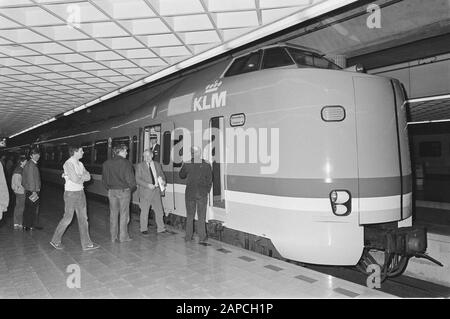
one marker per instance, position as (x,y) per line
(75,175)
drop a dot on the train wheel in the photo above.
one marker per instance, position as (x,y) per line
(366,260)
(391,265)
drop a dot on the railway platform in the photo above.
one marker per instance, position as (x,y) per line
(435,216)
(156,266)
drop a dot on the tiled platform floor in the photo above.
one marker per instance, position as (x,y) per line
(157,266)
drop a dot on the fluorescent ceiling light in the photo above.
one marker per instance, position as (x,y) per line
(429,98)
(35,126)
(428,122)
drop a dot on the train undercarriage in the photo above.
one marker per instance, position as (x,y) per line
(390,248)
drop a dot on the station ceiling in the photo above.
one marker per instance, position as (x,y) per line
(56,55)
(60,55)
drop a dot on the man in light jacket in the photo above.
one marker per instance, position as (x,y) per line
(74,200)
(149,178)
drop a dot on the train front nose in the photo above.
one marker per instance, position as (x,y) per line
(384,169)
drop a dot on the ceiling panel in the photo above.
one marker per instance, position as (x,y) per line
(57,54)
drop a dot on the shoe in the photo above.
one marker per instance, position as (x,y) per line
(125,240)
(17,226)
(145,232)
(25,228)
(57,246)
(163,231)
(114,240)
(91,247)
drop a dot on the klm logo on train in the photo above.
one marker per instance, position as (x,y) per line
(212,98)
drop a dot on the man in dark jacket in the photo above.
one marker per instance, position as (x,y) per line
(31,182)
(198,185)
(118,178)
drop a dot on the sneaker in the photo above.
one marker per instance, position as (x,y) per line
(57,246)
(91,246)
(145,232)
(17,226)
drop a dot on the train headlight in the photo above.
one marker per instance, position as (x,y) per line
(341,202)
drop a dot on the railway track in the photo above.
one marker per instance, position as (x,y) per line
(401,286)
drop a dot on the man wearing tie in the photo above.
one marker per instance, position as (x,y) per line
(149,174)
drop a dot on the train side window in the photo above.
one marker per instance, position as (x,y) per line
(100,151)
(153,132)
(87,156)
(121,140)
(178,160)
(167,136)
(430,149)
(135,149)
(308,59)
(276,57)
(245,64)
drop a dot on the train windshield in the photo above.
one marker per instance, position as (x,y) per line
(309,59)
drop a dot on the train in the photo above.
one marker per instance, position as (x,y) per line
(309,156)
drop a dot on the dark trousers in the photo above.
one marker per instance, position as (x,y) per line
(199,205)
(30,213)
(18,209)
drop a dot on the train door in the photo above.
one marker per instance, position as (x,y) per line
(166,145)
(152,135)
(217,157)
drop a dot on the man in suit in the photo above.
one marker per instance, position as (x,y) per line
(198,185)
(31,182)
(147,174)
(154,147)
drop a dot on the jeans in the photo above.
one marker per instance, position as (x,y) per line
(156,204)
(30,213)
(18,209)
(119,206)
(74,201)
(193,204)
